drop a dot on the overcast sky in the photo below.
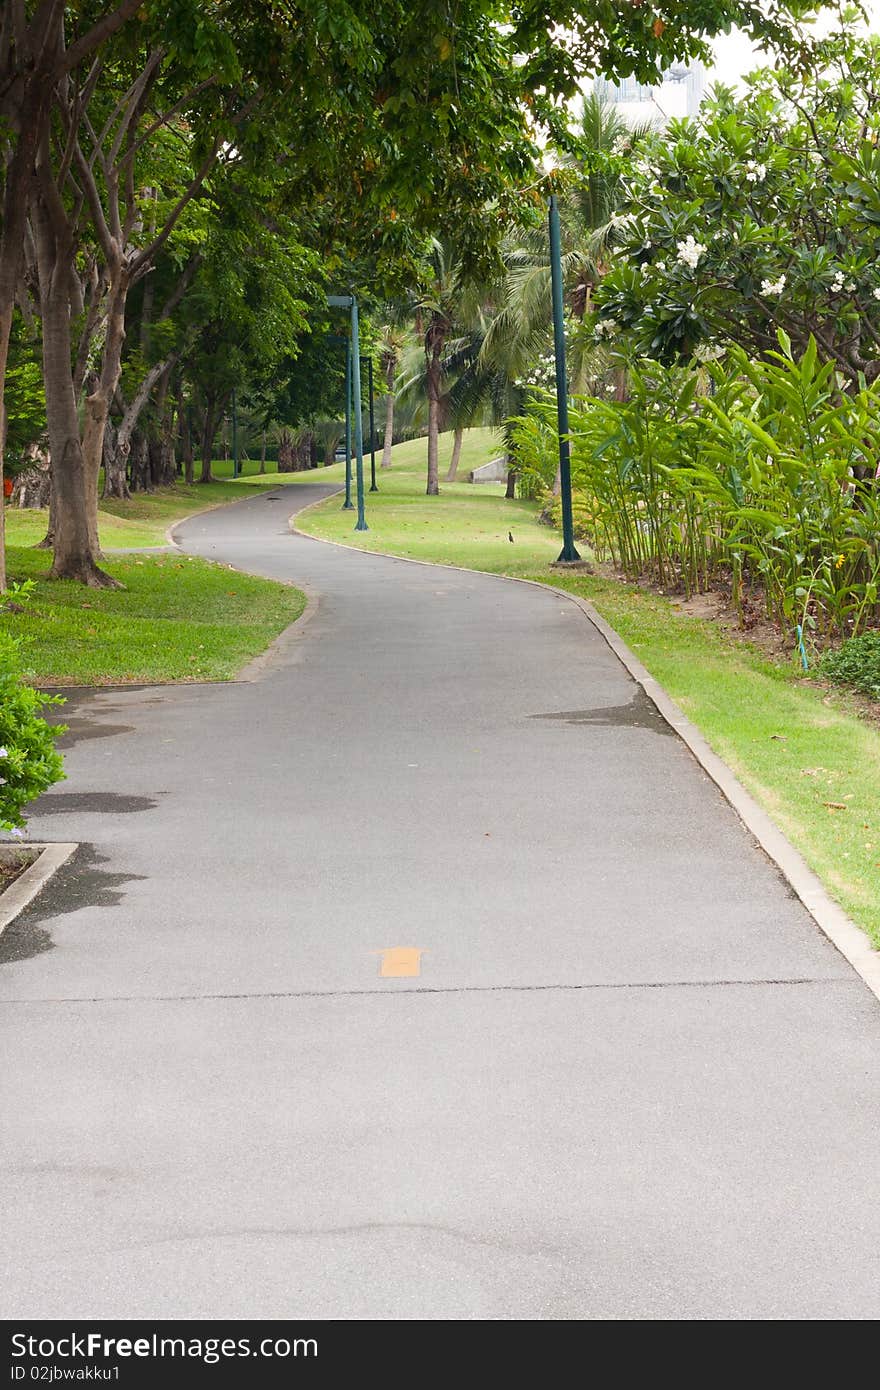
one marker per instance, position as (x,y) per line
(735,54)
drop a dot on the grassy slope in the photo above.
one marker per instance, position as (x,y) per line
(795,746)
(178,619)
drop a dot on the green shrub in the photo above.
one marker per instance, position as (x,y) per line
(857,663)
(768,483)
(29,762)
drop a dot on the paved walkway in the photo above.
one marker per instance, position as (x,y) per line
(632,1080)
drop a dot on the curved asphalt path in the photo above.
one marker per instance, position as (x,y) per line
(632,1080)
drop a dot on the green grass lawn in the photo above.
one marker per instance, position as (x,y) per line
(178,619)
(796,746)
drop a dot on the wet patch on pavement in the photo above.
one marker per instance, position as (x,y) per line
(105,803)
(81,883)
(639,713)
(79,730)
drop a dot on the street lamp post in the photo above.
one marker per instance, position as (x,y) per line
(235,469)
(569,554)
(353,398)
(348,505)
(361,524)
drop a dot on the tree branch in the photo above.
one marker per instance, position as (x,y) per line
(136,95)
(167,116)
(141,262)
(104,29)
(181,287)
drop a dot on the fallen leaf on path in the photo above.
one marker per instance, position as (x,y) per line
(836,805)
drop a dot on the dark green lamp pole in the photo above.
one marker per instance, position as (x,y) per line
(235,468)
(361,524)
(348,505)
(353,398)
(569,554)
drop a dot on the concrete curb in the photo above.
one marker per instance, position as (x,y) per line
(26,887)
(829,916)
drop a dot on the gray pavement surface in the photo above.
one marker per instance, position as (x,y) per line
(632,1081)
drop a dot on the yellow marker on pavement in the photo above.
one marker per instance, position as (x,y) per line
(401,960)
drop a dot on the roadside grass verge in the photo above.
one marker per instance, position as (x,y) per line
(799,747)
(178,619)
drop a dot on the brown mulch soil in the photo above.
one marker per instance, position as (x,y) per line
(13,863)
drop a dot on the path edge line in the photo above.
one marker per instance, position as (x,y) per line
(852,943)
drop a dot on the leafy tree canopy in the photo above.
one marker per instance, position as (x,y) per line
(763,214)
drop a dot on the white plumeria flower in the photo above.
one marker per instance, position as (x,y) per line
(837,282)
(773,286)
(606,328)
(876,292)
(755,173)
(691,252)
(708,352)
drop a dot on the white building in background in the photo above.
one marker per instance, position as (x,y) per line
(679,94)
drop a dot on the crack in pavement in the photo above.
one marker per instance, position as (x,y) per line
(430,989)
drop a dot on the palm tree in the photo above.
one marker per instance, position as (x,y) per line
(391,344)
(441,303)
(587,210)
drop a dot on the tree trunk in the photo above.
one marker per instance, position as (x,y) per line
(433,385)
(5,332)
(511,483)
(285,452)
(115,464)
(263,452)
(48,541)
(163,462)
(139,463)
(389,431)
(75,554)
(25,141)
(122,445)
(33,485)
(208,436)
(557,481)
(97,405)
(186,444)
(456,455)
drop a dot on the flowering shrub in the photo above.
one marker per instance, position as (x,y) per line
(29,762)
(763,213)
